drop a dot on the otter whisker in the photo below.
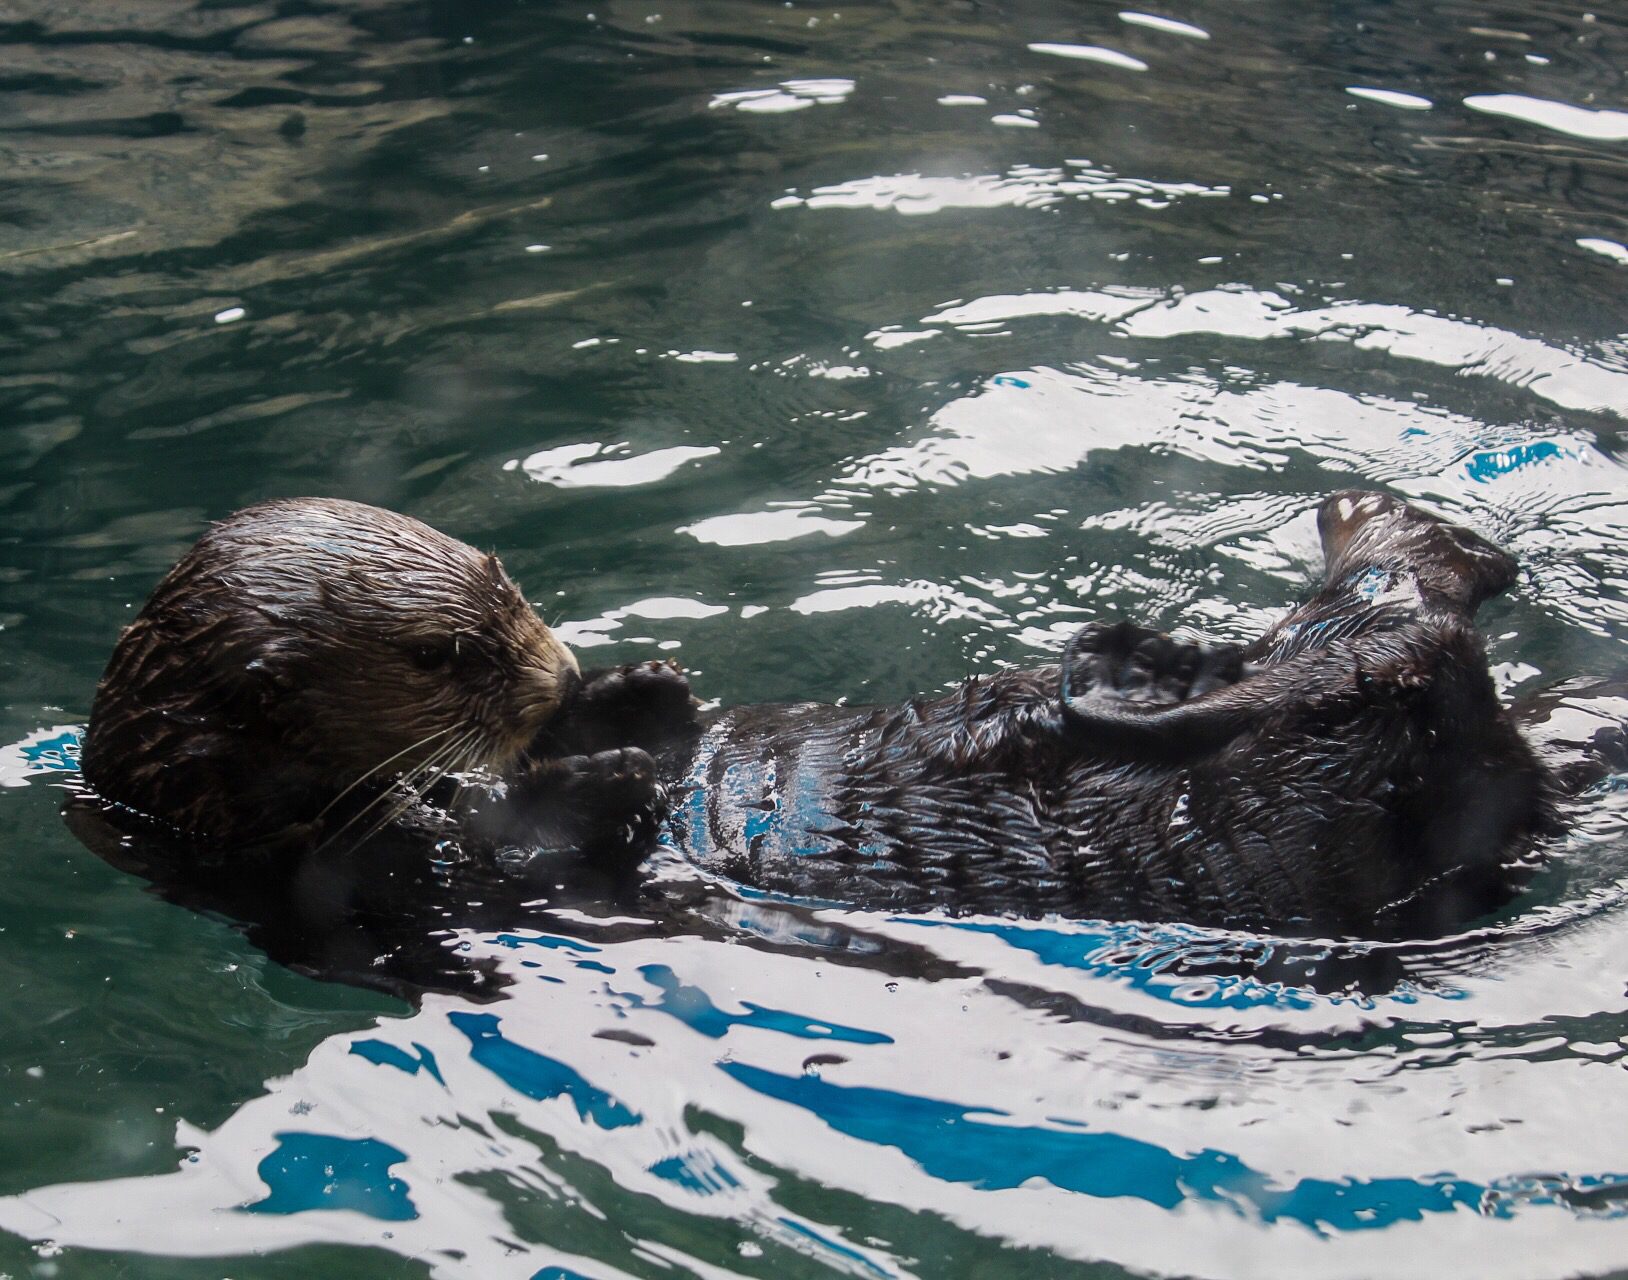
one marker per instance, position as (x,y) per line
(420,781)
(483,756)
(454,756)
(405,783)
(385,764)
(444,762)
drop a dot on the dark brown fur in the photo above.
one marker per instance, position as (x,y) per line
(1350,772)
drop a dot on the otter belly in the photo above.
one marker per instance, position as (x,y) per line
(1283,829)
(759,797)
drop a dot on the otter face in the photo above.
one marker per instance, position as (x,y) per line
(465,678)
(387,645)
(499,677)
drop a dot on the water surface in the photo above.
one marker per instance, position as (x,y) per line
(838,352)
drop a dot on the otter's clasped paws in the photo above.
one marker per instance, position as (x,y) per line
(1128,663)
(643,704)
(607,804)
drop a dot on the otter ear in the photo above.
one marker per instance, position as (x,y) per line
(1373,530)
(500,588)
(268,676)
(262,680)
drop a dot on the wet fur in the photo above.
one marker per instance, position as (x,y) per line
(1350,772)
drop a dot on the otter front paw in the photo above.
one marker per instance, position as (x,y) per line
(610,803)
(642,704)
(1128,663)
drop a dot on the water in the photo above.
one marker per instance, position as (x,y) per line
(838,352)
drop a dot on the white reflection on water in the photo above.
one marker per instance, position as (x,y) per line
(887,338)
(931,599)
(789,95)
(1581,122)
(1566,379)
(703,357)
(1022,186)
(1091,53)
(1167,25)
(1392,98)
(1050,420)
(1542,487)
(596,631)
(750,528)
(1608,248)
(591,465)
(1087,304)
(1107,1106)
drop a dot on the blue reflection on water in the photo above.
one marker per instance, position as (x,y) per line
(853,1255)
(705,1180)
(1160,962)
(1492,463)
(1138,957)
(57,754)
(319,1171)
(549,941)
(385,1054)
(693,1007)
(536,1075)
(950,1142)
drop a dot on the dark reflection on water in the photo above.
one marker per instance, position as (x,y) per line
(842,351)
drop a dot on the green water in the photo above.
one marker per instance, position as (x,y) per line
(838,352)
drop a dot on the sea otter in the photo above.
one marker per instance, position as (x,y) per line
(312,668)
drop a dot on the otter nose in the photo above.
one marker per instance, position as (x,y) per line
(567,659)
(544,690)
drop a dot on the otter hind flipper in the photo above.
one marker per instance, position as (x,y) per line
(1362,530)
(1123,685)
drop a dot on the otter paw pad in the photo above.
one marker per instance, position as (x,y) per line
(1133,663)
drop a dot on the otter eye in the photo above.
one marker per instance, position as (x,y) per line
(432,655)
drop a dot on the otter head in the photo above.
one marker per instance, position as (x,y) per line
(352,640)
